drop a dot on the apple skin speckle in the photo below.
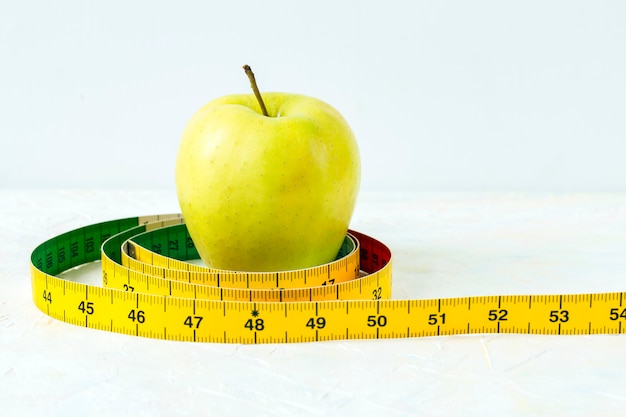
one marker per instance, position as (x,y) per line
(264,193)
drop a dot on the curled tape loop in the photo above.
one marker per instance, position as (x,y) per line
(150,288)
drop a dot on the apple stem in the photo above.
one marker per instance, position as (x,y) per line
(255,88)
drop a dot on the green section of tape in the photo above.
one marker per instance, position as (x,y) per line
(78,246)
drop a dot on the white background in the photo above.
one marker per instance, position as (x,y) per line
(453,95)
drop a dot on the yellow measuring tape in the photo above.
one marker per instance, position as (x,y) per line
(149,288)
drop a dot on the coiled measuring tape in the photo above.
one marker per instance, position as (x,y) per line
(149,288)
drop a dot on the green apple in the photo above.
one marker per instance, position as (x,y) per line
(267,193)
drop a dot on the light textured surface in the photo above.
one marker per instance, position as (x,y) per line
(444,245)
